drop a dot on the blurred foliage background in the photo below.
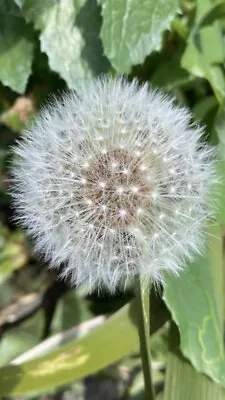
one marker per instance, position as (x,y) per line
(47,47)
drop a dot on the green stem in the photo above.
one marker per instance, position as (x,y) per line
(143,316)
(180,28)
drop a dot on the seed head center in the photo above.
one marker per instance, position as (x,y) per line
(116,187)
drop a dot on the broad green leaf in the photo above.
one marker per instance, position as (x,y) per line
(82,357)
(16,52)
(69,36)
(132,29)
(195,386)
(195,308)
(184,382)
(106,344)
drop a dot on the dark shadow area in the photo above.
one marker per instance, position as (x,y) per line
(89,22)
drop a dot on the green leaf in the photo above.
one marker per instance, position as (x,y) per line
(36,11)
(205,111)
(208,40)
(197,63)
(216,78)
(195,308)
(195,56)
(202,108)
(177,76)
(217,11)
(68,37)
(10,8)
(81,357)
(195,386)
(220,130)
(16,52)
(217,267)
(219,127)
(106,344)
(132,29)
(205,49)
(72,309)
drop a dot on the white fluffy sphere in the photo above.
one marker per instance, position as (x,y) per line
(112,182)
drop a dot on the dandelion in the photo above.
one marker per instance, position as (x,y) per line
(113,182)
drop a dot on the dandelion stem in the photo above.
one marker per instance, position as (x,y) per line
(143,316)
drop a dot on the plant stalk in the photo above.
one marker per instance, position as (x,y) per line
(143,317)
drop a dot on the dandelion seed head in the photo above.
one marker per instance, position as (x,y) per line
(114,182)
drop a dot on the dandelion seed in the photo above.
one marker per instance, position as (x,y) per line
(114,183)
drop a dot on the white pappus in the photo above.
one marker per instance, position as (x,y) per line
(114,181)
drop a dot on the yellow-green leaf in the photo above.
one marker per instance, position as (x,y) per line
(106,344)
(117,337)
